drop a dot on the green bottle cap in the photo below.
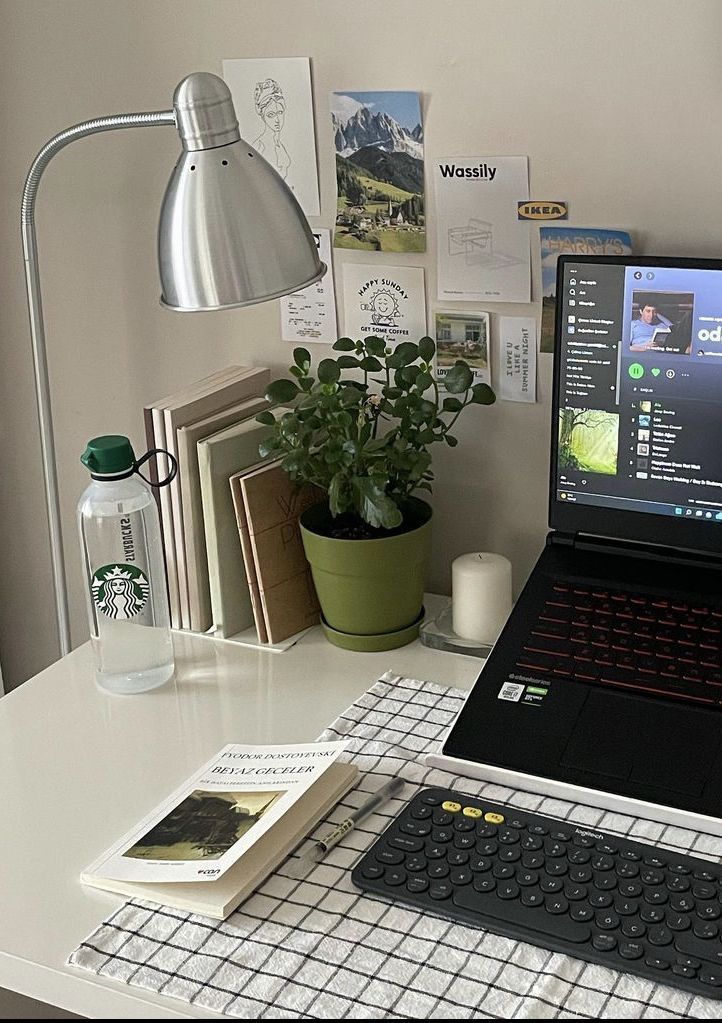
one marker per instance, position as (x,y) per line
(109,456)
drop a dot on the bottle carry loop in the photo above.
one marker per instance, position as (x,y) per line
(147,457)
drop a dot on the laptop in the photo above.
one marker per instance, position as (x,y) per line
(605,685)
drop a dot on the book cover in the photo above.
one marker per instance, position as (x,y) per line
(187,438)
(271,506)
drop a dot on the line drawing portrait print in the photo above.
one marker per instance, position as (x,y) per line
(270,105)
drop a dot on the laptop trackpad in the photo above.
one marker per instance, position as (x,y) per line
(648,743)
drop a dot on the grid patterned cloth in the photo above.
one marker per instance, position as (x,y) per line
(318,949)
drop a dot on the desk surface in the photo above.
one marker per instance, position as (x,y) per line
(79,768)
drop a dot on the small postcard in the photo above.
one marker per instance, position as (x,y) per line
(310,315)
(384,301)
(517,358)
(379,142)
(272,97)
(482,246)
(463,336)
(575,241)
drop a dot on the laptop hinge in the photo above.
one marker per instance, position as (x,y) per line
(633,548)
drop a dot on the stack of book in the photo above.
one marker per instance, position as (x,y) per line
(229,520)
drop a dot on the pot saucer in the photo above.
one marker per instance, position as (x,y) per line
(373,643)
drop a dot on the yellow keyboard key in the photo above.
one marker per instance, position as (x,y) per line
(471,811)
(451,807)
(493,818)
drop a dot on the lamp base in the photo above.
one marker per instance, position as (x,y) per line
(439,634)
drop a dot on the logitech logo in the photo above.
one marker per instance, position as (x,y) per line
(589,834)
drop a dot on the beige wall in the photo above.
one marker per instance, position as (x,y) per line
(616,103)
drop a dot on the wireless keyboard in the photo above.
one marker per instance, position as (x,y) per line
(568,888)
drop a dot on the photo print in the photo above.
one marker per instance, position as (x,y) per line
(463,336)
(379,141)
(204,826)
(272,97)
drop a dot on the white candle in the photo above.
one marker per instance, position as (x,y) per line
(480,595)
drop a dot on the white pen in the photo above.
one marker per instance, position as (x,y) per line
(301,866)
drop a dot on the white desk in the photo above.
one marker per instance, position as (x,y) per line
(78,768)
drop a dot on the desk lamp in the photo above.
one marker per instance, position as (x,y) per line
(231,233)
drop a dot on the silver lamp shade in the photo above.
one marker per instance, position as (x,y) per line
(231,231)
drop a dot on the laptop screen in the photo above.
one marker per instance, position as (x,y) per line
(638,399)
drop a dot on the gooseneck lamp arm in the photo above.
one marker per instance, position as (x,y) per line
(231,234)
(37,333)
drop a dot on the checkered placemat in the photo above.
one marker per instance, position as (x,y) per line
(318,949)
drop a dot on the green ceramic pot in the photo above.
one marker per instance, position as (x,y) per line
(371,591)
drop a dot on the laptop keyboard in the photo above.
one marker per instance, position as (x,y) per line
(644,643)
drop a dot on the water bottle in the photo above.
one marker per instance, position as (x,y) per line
(124,569)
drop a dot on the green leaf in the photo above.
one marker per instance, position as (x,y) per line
(403,355)
(338,494)
(452,405)
(347,362)
(374,505)
(459,378)
(328,371)
(482,394)
(266,418)
(375,346)
(427,349)
(371,364)
(451,440)
(282,391)
(344,344)
(302,358)
(423,382)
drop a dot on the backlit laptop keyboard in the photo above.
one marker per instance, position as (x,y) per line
(667,648)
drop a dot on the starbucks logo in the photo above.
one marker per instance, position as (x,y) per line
(120,591)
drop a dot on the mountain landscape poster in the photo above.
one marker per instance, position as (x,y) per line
(379,142)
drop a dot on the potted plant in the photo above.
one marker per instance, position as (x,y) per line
(361,430)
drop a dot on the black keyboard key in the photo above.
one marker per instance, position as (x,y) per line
(682,903)
(503,871)
(657,964)
(520,915)
(406,843)
(684,971)
(508,890)
(708,911)
(417,884)
(550,885)
(678,921)
(442,836)
(706,929)
(441,890)
(394,876)
(631,949)
(390,856)
(651,914)
(484,883)
(527,878)
(633,929)
(439,868)
(582,912)
(442,819)
(600,900)
(604,942)
(606,920)
(418,828)
(556,904)
(660,935)
(372,870)
(461,876)
(457,857)
(532,898)
(709,975)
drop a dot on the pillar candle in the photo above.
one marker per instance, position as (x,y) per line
(480,595)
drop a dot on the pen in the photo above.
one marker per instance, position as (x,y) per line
(319,849)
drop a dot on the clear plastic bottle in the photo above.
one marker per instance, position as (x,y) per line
(124,571)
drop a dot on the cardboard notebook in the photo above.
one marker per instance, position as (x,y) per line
(219,457)
(217,899)
(268,505)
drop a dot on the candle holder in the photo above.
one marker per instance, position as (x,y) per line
(438,633)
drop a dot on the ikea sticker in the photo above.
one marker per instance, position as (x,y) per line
(511,691)
(542,209)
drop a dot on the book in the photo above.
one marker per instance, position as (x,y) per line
(210,844)
(247,551)
(155,437)
(244,384)
(187,437)
(220,456)
(268,505)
